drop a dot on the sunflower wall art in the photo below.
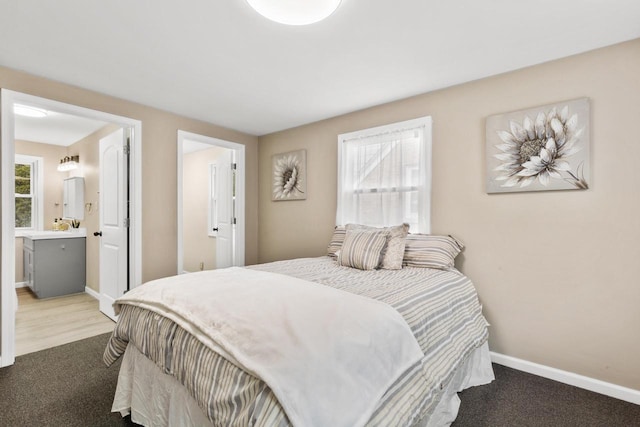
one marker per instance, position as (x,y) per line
(289,175)
(538,149)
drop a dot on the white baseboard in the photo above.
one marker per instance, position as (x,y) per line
(21,285)
(587,383)
(92,292)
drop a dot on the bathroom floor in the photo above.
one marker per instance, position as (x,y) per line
(46,323)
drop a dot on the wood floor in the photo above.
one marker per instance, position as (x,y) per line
(46,323)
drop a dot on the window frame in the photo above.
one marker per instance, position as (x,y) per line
(37,191)
(424,208)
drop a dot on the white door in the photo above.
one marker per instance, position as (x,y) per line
(113,230)
(224,191)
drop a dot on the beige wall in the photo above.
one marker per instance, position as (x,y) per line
(197,245)
(159,159)
(557,272)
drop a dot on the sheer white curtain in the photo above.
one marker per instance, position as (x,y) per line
(384,176)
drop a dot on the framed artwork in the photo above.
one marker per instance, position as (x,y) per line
(289,175)
(538,149)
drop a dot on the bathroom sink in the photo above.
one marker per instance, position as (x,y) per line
(48,234)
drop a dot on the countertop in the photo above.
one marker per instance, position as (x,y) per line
(72,233)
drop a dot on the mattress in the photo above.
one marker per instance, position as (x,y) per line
(440,306)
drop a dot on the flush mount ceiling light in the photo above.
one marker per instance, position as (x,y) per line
(295,12)
(28,111)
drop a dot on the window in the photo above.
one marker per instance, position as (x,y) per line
(384,175)
(28,193)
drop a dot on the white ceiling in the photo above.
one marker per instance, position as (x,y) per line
(221,62)
(56,128)
(189,146)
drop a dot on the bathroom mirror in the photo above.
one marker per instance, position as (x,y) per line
(73,198)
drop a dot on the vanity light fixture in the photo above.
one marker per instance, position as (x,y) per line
(29,111)
(68,163)
(300,12)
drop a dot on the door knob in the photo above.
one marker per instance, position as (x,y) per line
(215,229)
(97,233)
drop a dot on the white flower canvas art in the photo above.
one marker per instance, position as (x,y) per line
(289,176)
(538,149)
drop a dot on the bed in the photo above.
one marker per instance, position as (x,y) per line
(171,375)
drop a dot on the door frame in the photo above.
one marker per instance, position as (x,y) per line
(239,235)
(7,213)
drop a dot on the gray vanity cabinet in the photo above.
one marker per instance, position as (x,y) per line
(54,267)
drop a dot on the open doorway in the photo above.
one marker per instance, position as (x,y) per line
(210,203)
(61,187)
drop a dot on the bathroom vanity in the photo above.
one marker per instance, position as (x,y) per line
(55,262)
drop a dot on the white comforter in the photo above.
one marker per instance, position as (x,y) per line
(328,355)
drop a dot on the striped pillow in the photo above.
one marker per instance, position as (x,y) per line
(336,241)
(431,251)
(393,253)
(362,249)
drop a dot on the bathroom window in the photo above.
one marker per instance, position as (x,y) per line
(28,193)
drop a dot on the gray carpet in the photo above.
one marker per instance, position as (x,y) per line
(67,385)
(519,399)
(70,386)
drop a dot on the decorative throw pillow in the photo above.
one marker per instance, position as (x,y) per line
(362,249)
(393,253)
(431,251)
(336,241)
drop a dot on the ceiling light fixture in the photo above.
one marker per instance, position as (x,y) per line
(295,12)
(29,111)
(68,163)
